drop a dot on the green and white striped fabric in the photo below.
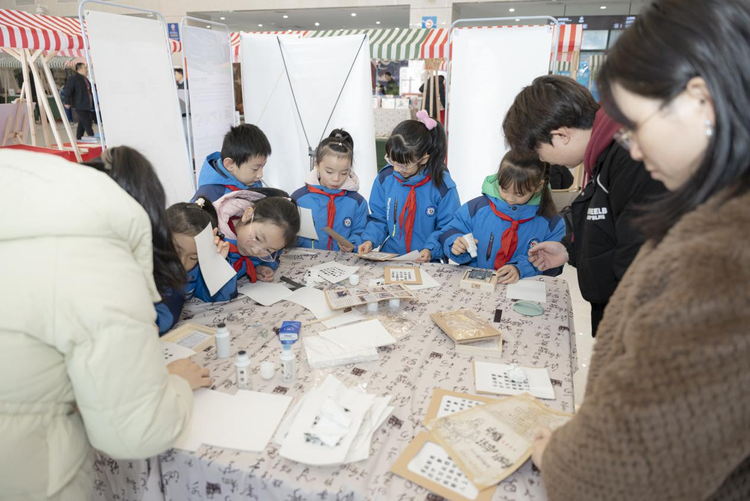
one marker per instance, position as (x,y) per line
(393,44)
(8,61)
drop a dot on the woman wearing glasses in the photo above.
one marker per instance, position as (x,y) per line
(667,405)
(258,224)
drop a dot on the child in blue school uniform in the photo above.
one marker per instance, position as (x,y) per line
(331,194)
(238,166)
(515,213)
(413,197)
(258,224)
(186,220)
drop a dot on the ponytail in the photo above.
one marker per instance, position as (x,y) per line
(192,218)
(134,174)
(411,140)
(339,143)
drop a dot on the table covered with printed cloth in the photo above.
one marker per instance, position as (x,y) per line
(423,359)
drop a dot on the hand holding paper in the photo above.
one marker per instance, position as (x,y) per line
(214,268)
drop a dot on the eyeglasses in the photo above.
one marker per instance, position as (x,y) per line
(624,136)
(401,166)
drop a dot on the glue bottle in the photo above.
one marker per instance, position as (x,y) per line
(242,366)
(223,347)
(288,364)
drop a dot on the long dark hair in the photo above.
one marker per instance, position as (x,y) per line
(134,174)
(409,142)
(192,218)
(339,143)
(671,42)
(523,173)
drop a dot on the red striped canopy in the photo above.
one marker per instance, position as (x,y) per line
(22,30)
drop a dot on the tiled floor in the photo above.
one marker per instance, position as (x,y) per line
(584,341)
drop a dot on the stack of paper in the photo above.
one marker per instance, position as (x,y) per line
(232,421)
(347,345)
(332,424)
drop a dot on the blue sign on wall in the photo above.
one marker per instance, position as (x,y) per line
(174,31)
(429,22)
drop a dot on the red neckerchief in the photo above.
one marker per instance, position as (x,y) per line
(509,240)
(249,266)
(411,206)
(331,207)
(231,187)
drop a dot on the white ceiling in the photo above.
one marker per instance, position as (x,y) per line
(398,16)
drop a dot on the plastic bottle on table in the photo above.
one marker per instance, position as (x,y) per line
(223,347)
(288,364)
(242,367)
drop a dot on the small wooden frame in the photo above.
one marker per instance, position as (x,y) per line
(479,279)
(464,326)
(401,468)
(185,330)
(344,244)
(378,256)
(392,272)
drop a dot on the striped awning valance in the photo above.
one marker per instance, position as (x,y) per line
(392,44)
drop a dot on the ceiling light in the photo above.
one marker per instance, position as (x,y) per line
(317,24)
(285,16)
(517,20)
(377,22)
(511,10)
(603,7)
(208,26)
(222,18)
(354,14)
(260,26)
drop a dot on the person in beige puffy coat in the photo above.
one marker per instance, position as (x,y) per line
(80,363)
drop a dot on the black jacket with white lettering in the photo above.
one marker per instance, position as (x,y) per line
(604,240)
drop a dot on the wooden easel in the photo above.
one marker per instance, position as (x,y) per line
(29,64)
(432,107)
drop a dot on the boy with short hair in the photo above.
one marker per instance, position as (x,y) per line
(238,166)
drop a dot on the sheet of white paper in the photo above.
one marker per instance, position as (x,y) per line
(329,387)
(265,293)
(215,269)
(374,418)
(233,421)
(312,299)
(370,334)
(411,256)
(297,447)
(335,272)
(173,351)
(433,463)
(492,378)
(529,290)
(346,318)
(427,282)
(306,224)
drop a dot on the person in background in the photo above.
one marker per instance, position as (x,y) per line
(391,85)
(81,365)
(558,119)
(515,213)
(78,97)
(238,166)
(258,224)
(413,197)
(187,220)
(667,406)
(331,194)
(179,78)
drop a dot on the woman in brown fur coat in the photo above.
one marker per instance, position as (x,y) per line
(667,409)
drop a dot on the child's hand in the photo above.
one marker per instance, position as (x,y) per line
(508,274)
(265,273)
(365,247)
(460,245)
(221,246)
(424,257)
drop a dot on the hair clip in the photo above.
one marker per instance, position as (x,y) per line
(200,202)
(424,117)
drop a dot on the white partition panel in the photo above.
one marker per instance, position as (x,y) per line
(489,68)
(211,89)
(137,95)
(317,68)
